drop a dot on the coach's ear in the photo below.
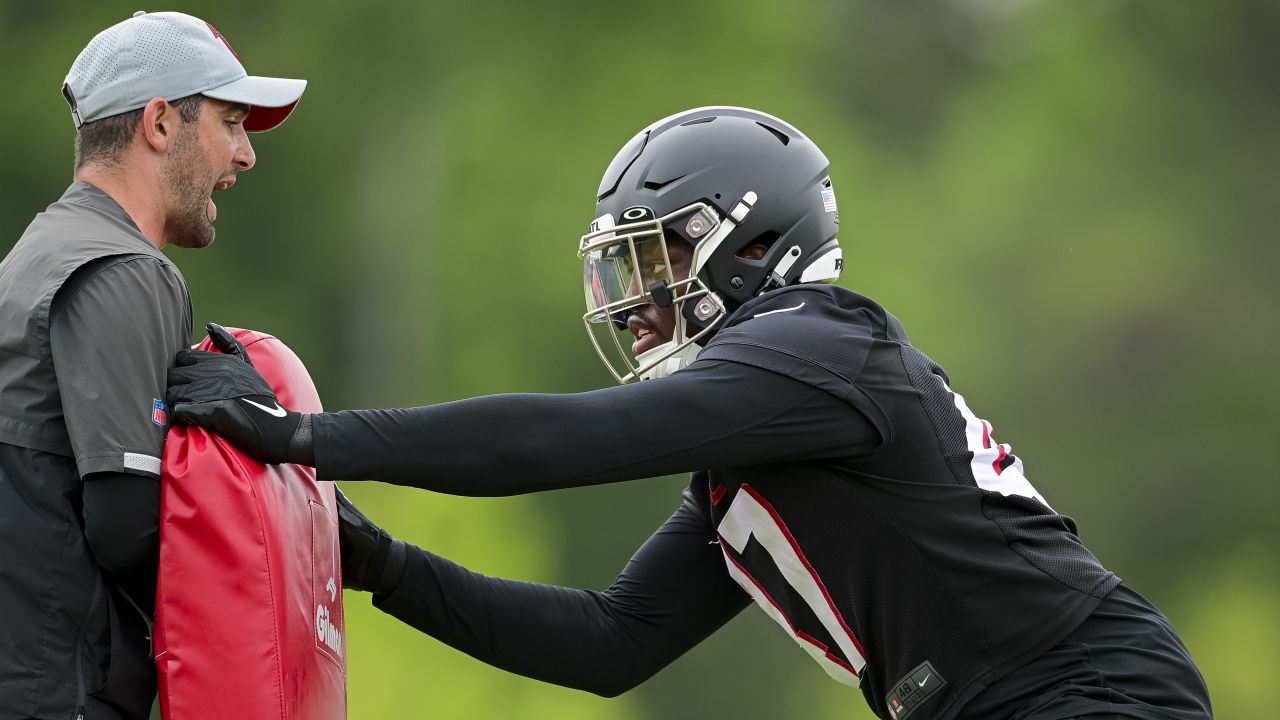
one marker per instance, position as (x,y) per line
(160,124)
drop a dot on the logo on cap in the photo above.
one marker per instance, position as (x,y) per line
(219,35)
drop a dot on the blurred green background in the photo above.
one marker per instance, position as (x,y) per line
(1072,206)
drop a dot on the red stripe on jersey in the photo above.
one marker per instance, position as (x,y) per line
(747,574)
(717,494)
(826,651)
(800,634)
(998,464)
(805,561)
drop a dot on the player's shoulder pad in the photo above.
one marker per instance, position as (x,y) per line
(825,325)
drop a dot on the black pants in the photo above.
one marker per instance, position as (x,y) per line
(1124,661)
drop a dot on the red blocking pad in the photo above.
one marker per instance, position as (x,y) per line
(249,619)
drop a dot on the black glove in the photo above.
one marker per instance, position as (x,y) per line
(223,393)
(372,560)
(227,343)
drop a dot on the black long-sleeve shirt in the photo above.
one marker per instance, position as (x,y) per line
(122,526)
(711,414)
(674,591)
(838,482)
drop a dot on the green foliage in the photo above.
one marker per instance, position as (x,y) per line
(1071,206)
(1228,601)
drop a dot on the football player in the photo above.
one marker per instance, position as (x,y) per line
(837,479)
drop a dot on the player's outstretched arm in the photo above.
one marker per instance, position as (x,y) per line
(711,414)
(670,596)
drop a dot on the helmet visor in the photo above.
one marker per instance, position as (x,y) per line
(619,275)
(622,262)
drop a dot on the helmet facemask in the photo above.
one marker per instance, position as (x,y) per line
(629,266)
(696,175)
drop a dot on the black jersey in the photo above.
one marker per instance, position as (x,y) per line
(921,570)
(837,481)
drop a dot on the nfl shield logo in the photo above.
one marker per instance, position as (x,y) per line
(159,413)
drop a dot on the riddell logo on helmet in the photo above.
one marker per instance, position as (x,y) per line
(219,35)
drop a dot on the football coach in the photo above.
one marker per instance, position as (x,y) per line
(838,481)
(91,314)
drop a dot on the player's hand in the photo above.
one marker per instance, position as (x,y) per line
(223,393)
(227,343)
(372,560)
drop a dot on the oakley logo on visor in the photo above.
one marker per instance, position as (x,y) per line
(637,213)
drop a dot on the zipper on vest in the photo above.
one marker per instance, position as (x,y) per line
(146,620)
(80,634)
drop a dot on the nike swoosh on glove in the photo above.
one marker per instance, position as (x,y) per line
(224,394)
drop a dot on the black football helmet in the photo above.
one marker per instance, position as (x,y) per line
(721,179)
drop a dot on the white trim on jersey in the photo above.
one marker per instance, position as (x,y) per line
(145,463)
(751,515)
(989,456)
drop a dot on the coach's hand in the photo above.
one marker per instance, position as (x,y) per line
(223,393)
(372,560)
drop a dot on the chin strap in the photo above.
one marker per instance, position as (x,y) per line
(677,361)
(778,277)
(707,246)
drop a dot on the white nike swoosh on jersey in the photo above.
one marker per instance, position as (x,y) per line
(778,311)
(925,680)
(277,411)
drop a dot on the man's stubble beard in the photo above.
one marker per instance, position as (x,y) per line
(186,222)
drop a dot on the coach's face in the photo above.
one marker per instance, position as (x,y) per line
(650,324)
(205,158)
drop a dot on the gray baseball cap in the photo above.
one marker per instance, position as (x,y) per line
(170,55)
